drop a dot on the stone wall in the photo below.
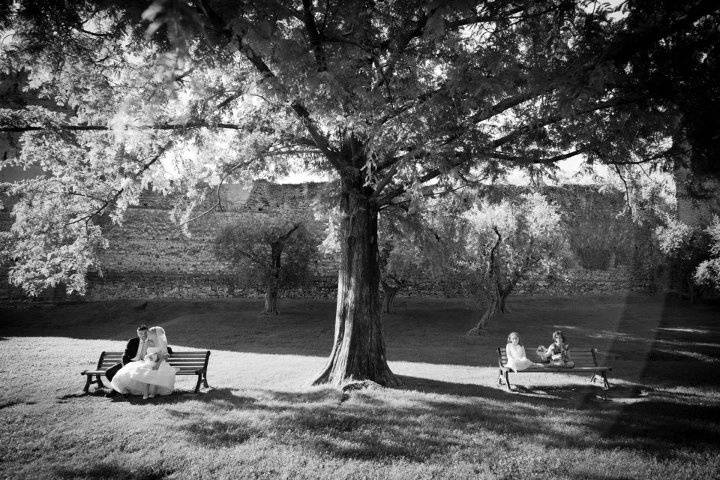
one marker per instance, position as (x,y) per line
(150,257)
(116,285)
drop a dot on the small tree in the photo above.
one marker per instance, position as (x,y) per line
(273,252)
(509,242)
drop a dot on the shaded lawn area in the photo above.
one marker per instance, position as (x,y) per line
(260,419)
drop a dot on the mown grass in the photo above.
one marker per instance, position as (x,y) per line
(260,419)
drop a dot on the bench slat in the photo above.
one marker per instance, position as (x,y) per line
(171,361)
(185,360)
(184,353)
(585,360)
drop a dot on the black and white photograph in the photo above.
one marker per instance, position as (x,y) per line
(359,239)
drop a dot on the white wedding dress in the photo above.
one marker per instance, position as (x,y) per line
(133,377)
(516,357)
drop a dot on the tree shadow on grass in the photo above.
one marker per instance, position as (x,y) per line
(570,395)
(112,471)
(664,427)
(12,403)
(221,434)
(371,424)
(218,399)
(367,424)
(320,425)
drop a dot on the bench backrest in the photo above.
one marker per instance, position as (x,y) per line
(183,360)
(583,356)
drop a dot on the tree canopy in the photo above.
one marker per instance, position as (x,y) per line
(391,96)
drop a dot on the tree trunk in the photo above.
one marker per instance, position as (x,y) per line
(358,351)
(497,295)
(273,286)
(271,300)
(491,311)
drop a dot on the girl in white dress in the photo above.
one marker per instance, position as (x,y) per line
(516,357)
(150,376)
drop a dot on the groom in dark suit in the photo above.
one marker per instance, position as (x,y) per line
(135,350)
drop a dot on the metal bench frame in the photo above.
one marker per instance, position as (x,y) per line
(188,363)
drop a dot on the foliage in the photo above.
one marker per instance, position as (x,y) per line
(250,245)
(649,203)
(686,249)
(46,247)
(529,240)
(184,95)
(677,78)
(404,252)
(598,232)
(708,271)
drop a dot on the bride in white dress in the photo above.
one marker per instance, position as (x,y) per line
(516,357)
(150,376)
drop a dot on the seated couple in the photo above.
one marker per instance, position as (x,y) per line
(144,369)
(556,355)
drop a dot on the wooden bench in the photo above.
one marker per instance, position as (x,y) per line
(586,360)
(187,363)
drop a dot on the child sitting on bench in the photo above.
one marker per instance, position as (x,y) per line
(556,355)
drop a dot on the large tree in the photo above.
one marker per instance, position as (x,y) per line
(389,95)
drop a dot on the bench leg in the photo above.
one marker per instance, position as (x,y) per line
(205,380)
(99,382)
(507,380)
(500,377)
(87,383)
(197,386)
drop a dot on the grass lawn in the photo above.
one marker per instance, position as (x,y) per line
(260,419)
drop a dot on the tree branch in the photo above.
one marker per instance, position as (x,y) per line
(536,160)
(117,194)
(102,128)
(321,141)
(314,35)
